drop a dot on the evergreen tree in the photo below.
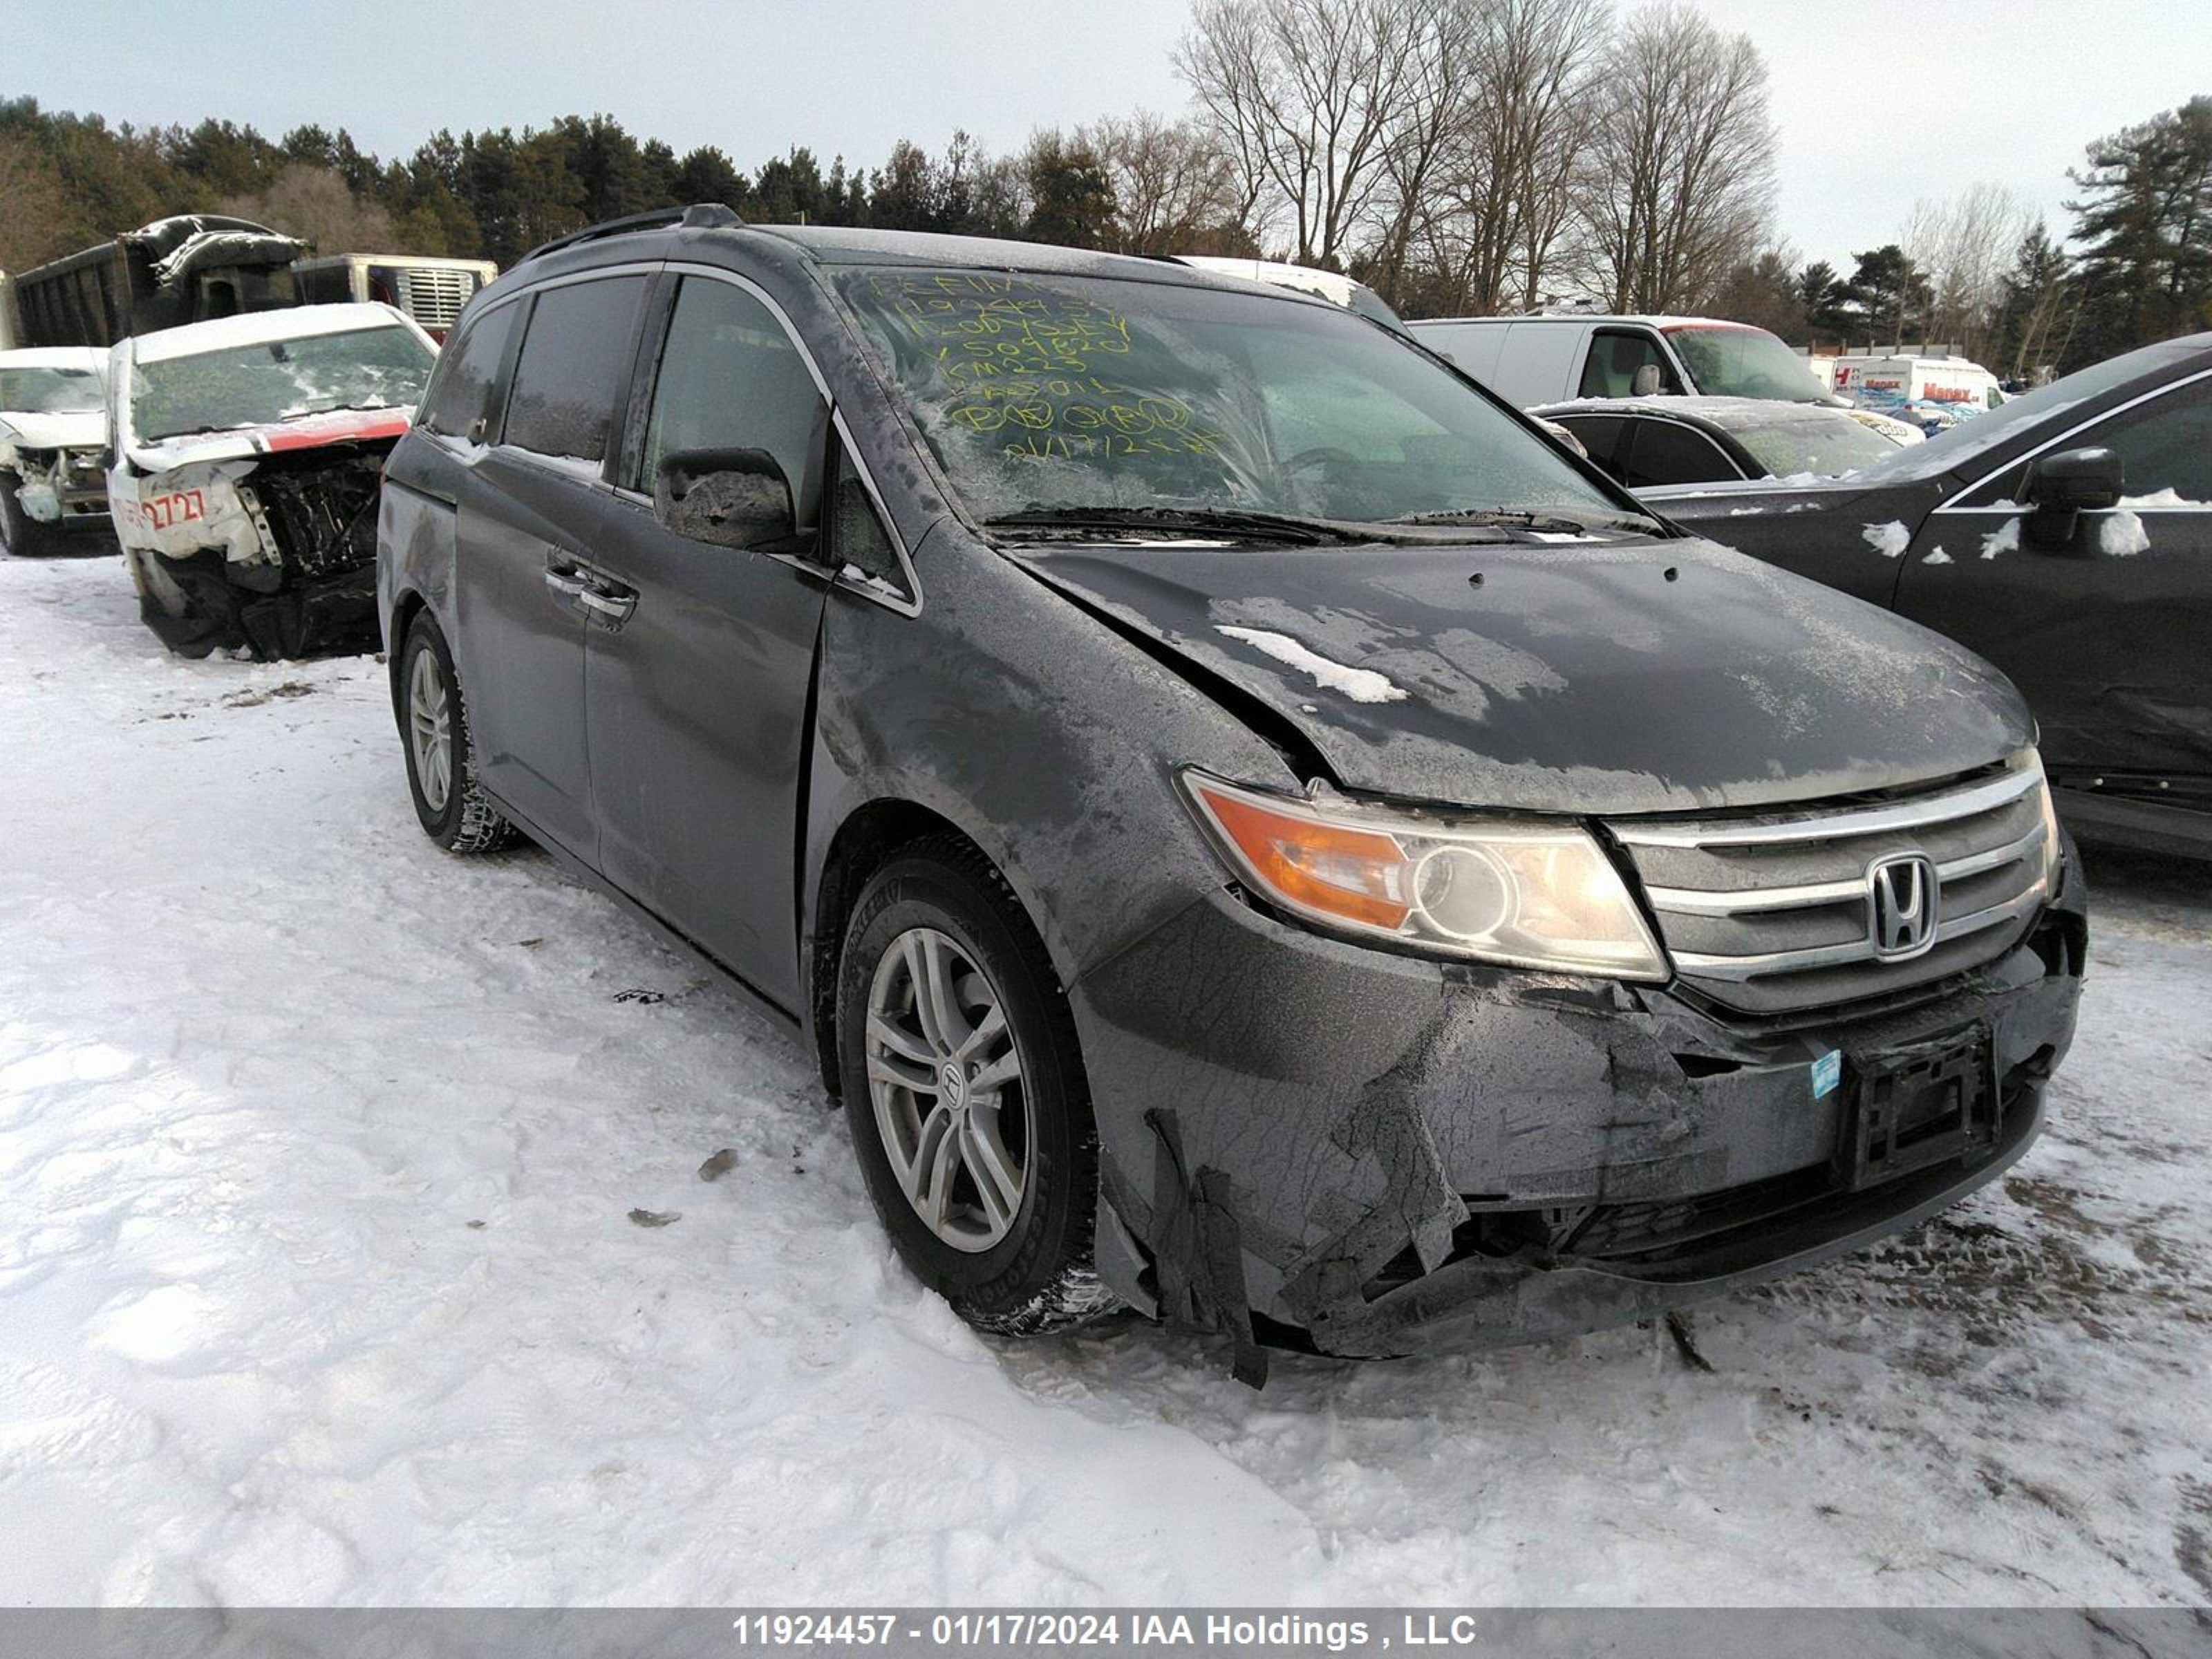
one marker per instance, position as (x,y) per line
(2144,220)
(1072,199)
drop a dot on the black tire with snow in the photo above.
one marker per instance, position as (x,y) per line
(19,534)
(466,822)
(1039,1277)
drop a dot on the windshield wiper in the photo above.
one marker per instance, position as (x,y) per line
(1515,518)
(1205,520)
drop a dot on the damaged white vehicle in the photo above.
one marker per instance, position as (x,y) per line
(248,452)
(53,430)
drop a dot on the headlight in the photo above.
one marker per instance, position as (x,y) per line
(1526,895)
(2052,844)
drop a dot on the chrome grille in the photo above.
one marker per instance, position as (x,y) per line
(1771,913)
(435,297)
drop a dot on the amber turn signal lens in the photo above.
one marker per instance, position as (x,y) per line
(1353,873)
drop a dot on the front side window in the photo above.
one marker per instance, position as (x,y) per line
(50,390)
(1061,393)
(1615,357)
(731,379)
(575,355)
(1669,452)
(2165,447)
(1600,434)
(459,404)
(275,380)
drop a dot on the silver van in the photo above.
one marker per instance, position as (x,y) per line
(1545,359)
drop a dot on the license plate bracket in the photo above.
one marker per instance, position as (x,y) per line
(1933,1102)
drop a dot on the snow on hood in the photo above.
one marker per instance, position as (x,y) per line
(83,428)
(1600,678)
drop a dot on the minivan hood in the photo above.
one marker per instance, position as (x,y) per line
(1596,678)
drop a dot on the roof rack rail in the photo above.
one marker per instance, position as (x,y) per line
(700,216)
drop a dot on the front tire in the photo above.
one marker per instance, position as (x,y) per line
(966,1095)
(19,534)
(433,730)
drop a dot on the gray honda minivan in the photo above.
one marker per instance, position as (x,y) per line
(1254,833)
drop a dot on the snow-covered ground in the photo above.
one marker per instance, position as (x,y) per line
(318,1282)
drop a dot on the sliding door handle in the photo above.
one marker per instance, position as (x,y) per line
(615,607)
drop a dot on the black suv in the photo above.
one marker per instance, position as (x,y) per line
(1254,831)
(2067,537)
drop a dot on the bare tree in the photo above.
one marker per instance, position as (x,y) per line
(314,204)
(1176,187)
(1504,196)
(35,224)
(1441,93)
(1678,181)
(1309,96)
(1961,247)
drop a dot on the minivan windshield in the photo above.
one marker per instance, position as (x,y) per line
(274,380)
(1734,361)
(50,390)
(1045,393)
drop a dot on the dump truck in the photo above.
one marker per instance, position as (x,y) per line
(184,268)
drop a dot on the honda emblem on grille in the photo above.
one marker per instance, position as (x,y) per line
(1901,906)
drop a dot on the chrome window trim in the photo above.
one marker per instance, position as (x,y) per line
(874,588)
(2096,420)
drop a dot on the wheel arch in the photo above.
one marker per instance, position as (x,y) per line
(406,605)
(868,838)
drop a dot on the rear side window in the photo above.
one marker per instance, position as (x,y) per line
(461,400)
(1666,453)
(574,356)
(731,379)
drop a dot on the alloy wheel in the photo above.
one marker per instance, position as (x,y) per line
(430,729)
(945,1078)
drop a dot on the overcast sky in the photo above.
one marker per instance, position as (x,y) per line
(1878,101)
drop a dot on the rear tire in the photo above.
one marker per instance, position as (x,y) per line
(433,730)
(986,1180)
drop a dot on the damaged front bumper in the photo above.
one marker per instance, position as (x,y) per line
(1310,1145)
(57,487)
(276,554)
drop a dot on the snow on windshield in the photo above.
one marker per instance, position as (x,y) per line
(272,380)
(49,391)
(1067,393)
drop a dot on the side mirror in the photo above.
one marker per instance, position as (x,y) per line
(727,497)
(1646,381)
(2060,488)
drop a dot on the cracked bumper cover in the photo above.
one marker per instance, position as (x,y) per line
(1295,1132)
